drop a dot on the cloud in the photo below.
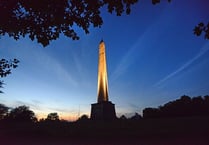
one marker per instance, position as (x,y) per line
(204,49)
(54,66)
(126,60)
(62,110)
(61,72)
(142,41)
(34,57)
(66,114)
(33,105)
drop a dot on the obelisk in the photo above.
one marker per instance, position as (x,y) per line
(103,109)
(102,85)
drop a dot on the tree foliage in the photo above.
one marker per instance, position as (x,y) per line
(202,28)
(22,114)
(185,106)
(3,111)
(52,117)
(136,116)
(123,117)
(157,1)
(5,68)
(45,20)
(1,85)
(84,117)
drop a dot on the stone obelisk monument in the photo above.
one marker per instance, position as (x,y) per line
(103,109)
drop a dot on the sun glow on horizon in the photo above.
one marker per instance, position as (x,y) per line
(62,115)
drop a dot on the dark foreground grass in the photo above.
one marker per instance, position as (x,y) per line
(169,131)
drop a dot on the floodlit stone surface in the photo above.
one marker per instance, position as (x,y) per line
(102,88)
(103,109)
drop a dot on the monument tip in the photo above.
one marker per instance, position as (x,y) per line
(101,41)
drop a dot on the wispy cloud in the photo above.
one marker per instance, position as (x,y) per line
(33,56)
(55,67)
(63,110)
(61,72)
(32,105)
(126,60)
(204,49)
(133,52)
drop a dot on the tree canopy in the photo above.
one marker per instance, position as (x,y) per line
(3,111)
(185,106)
(22,114)
(202,28)
(5,68)
(45,20)
(52,117)
(83,118)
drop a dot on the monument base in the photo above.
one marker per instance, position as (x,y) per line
(103,111)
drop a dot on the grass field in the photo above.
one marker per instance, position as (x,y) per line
(163,131)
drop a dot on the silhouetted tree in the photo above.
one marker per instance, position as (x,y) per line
(52,117)
(198,104)
(151,113)
(179,107)
(136,117)
(45,20)
(202,28)
(22,114)
(1,86)
(185,106)
(3,111)
(83,118)
(206,101)
(123,117)
(41,120)
(5,68)
(199,29)
(157,1)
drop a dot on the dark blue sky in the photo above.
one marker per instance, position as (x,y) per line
(152,58)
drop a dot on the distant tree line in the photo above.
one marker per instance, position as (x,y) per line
(185,106)
(18,114)
(24,114)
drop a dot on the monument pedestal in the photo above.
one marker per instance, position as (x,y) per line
(103,111)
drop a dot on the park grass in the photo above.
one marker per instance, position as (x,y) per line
(159,131)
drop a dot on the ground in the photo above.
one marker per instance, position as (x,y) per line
(162,131)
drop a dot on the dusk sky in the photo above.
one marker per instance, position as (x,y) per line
(152,57)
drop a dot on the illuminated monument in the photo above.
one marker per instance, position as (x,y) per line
(103,109)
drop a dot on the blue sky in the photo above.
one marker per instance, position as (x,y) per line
(152,58)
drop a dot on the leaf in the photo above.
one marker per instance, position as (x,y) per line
(197,31)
